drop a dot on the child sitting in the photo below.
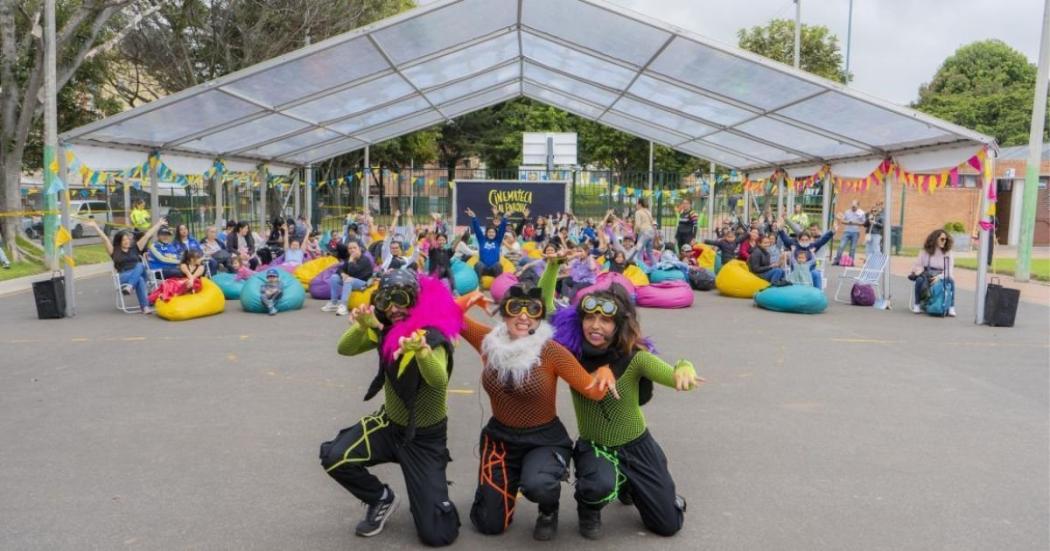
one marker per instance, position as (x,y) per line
(271,291)
(801,268)
(668,261)
(583,272)
(242,272)
(191,267)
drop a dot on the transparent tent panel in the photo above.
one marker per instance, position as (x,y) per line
(688,102)
(561,101)
(569,85)
(353,100)
(751,148)
(293,143)
(706,151)
(595,28)
(380,116)
(469,86)
(177,120)
(243,135)
(575,62)
(324,152)
(730,76)
(663,118)
(801,140)
(641,129)
(312,73)
(861,121)
(442,28)
(403,126)
(467,61)
(485,99)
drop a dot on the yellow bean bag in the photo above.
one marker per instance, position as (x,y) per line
(535,254)
(528,246)
(636,276)
(486,282)
(206,302)
(736,280)
(309,270)
(361,298)
(508,266)
(707,259)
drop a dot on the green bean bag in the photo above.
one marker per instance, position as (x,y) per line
(795,299)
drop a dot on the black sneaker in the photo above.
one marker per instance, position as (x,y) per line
(546,527)
(377,515)
(590,523)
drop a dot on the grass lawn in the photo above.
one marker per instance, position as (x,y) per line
(1040,266)
(84,254)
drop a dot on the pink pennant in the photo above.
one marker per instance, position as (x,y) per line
(975,162)
(954,175)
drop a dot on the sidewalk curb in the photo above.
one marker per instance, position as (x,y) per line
(25,284)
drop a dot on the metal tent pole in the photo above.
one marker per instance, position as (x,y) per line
(365,177)
(711,201)
(886,230)
(825,201)
(1035,146)
(263,177)
(985,240)
(220,218)
(308,194)
(651,148)
(297,203)
(154,189)
(127,203)
(50,136)
(780,195)
(67,249)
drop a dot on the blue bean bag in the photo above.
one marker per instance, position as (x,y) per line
(292,298)
(660,276)
(231,287)
(795,299)
(465,277)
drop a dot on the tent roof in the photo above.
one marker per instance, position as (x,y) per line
(432,64)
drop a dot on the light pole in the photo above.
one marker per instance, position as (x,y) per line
(798,31)
(849,37)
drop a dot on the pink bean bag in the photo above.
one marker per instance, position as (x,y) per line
(669,294)
(501,284)
(607,278)
(319,287)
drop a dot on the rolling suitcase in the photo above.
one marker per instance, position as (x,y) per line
(50,296)
(1000,304)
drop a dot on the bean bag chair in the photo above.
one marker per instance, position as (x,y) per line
(528,246)
(207,302)
(636,276)
(736,280)
(465,277)
(508,266)
(229,284)
(534,254)
(319,287)
(501,284)
(363,297)
(660,276)
(795,299)
(309,270)
(707,259)
(718,262)
(669,294)
(292,298)
(701,280)
(862,295)
(607,278)
(486,282)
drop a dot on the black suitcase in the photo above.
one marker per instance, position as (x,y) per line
(50,296)
(1000,304)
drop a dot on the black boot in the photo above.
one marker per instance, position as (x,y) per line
(546,526)
(590,523)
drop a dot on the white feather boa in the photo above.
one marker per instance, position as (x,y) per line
(513,359)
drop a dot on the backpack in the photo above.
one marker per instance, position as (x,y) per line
(940,297)
(862,295)
(846,261)
(701,280)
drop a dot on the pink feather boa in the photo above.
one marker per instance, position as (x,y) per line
(435,308)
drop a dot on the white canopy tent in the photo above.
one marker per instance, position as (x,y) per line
(602,62)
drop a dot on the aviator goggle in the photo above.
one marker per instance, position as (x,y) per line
(515,306)
(395,297)
(595,305)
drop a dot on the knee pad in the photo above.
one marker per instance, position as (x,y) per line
(444,527)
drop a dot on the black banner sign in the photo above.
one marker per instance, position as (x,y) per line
(541,198)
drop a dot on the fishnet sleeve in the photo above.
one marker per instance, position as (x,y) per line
(474,332)
(569,369)
(653,368)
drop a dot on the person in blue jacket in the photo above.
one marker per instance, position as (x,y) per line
(488,244)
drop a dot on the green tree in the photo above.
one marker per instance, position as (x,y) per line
(986,86)
(819,51)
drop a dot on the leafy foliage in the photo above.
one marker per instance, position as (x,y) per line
(819,50)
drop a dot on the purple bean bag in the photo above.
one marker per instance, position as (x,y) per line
(668,294)
(501,284)
(319,287)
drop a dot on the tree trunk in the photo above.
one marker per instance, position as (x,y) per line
(11,203)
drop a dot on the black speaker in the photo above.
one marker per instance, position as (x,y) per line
(50,296)
(1000,305)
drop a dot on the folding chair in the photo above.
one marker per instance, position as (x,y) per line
(153,276)
(869,274)
(121,288)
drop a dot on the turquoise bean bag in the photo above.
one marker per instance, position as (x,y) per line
(660,276)
(231,288)
(465,277)
(795,299)
(292,299)
(718,261)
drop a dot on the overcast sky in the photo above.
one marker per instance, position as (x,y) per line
(897,44)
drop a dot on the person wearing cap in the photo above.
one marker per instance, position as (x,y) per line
(411,322)
(164,254)
(271,291)
(615,455)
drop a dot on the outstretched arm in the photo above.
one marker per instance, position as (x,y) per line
(591,386)
(682,376)
(363,335)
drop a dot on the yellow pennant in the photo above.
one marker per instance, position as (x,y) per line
(69,261)
(62,236)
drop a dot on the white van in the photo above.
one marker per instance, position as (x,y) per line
(81,211)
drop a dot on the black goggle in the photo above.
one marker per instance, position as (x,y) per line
(396,297)
(594,305)
(515,306)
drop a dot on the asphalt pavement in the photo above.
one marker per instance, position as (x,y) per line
(853,429)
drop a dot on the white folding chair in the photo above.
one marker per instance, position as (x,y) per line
(869,274)
(154,277)
(121,289)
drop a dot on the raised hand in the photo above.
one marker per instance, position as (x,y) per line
(366,316)
(470,213)
(416,342)
(685,377)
